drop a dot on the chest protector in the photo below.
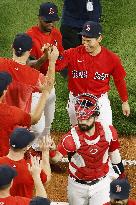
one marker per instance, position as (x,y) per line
(91,158)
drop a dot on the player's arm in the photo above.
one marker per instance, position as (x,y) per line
(47,86)
(44,147)
(37,63)
(114,153)
(37,112)
(55,156)
(119,75)
(122,90)
(35,170)
(67,145)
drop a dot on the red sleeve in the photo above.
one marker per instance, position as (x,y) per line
(43,176)
(40,81)
(122,89)
(118,71)
(67,145)
(114,142)
(21,118)
(63,61)
(59,41)
(22,200)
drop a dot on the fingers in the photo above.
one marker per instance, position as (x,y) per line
(45,143)
(45,47)
(126,113)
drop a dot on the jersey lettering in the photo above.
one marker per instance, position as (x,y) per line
(79,74)
(101,76)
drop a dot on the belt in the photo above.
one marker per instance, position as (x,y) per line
(90,183)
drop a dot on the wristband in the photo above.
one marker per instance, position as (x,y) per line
(52,153)
(118,168)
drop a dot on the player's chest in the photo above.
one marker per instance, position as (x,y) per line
(23,173)
(95,147)
(89,67)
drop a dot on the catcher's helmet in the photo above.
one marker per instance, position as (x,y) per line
(86,106)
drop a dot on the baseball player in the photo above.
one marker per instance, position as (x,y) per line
(19,92)
(42,34)
(23,184)
(75,13)
(8,174)
(94,147)
(11,116)
(119,193)
(90,67)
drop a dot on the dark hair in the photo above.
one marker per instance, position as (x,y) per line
(5,186)
(1,93)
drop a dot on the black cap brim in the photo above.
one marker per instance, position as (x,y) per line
(115,196)
(53,18)
(88,35)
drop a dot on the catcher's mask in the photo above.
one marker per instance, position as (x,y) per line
(86,106)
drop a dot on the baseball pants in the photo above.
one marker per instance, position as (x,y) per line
(42,128)
(83,194)
(104,105)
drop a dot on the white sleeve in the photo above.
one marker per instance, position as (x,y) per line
(115,157)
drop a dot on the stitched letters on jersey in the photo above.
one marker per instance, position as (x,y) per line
(79,74)
(101,76)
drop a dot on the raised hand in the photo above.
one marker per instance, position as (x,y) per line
(36,166)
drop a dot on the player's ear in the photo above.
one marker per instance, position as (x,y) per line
(100,38)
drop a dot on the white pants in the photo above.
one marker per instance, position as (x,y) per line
(104,105)
(82,194)
(42,128)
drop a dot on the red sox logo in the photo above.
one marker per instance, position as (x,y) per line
(118,188)
(51,11)
(88,27)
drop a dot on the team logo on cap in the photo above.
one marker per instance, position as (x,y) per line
(51,11)
(118,188)
(88,28)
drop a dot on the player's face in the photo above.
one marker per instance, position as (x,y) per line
(86,125)
(46,26)
(91,44)
(119,202)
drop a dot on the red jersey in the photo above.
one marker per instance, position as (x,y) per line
(25,81)
(39,39)
(91,74)
(17,200)
(130,202)
(90,158)
(10,117)
(23,184)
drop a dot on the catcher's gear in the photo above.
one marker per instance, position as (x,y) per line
(86,106)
